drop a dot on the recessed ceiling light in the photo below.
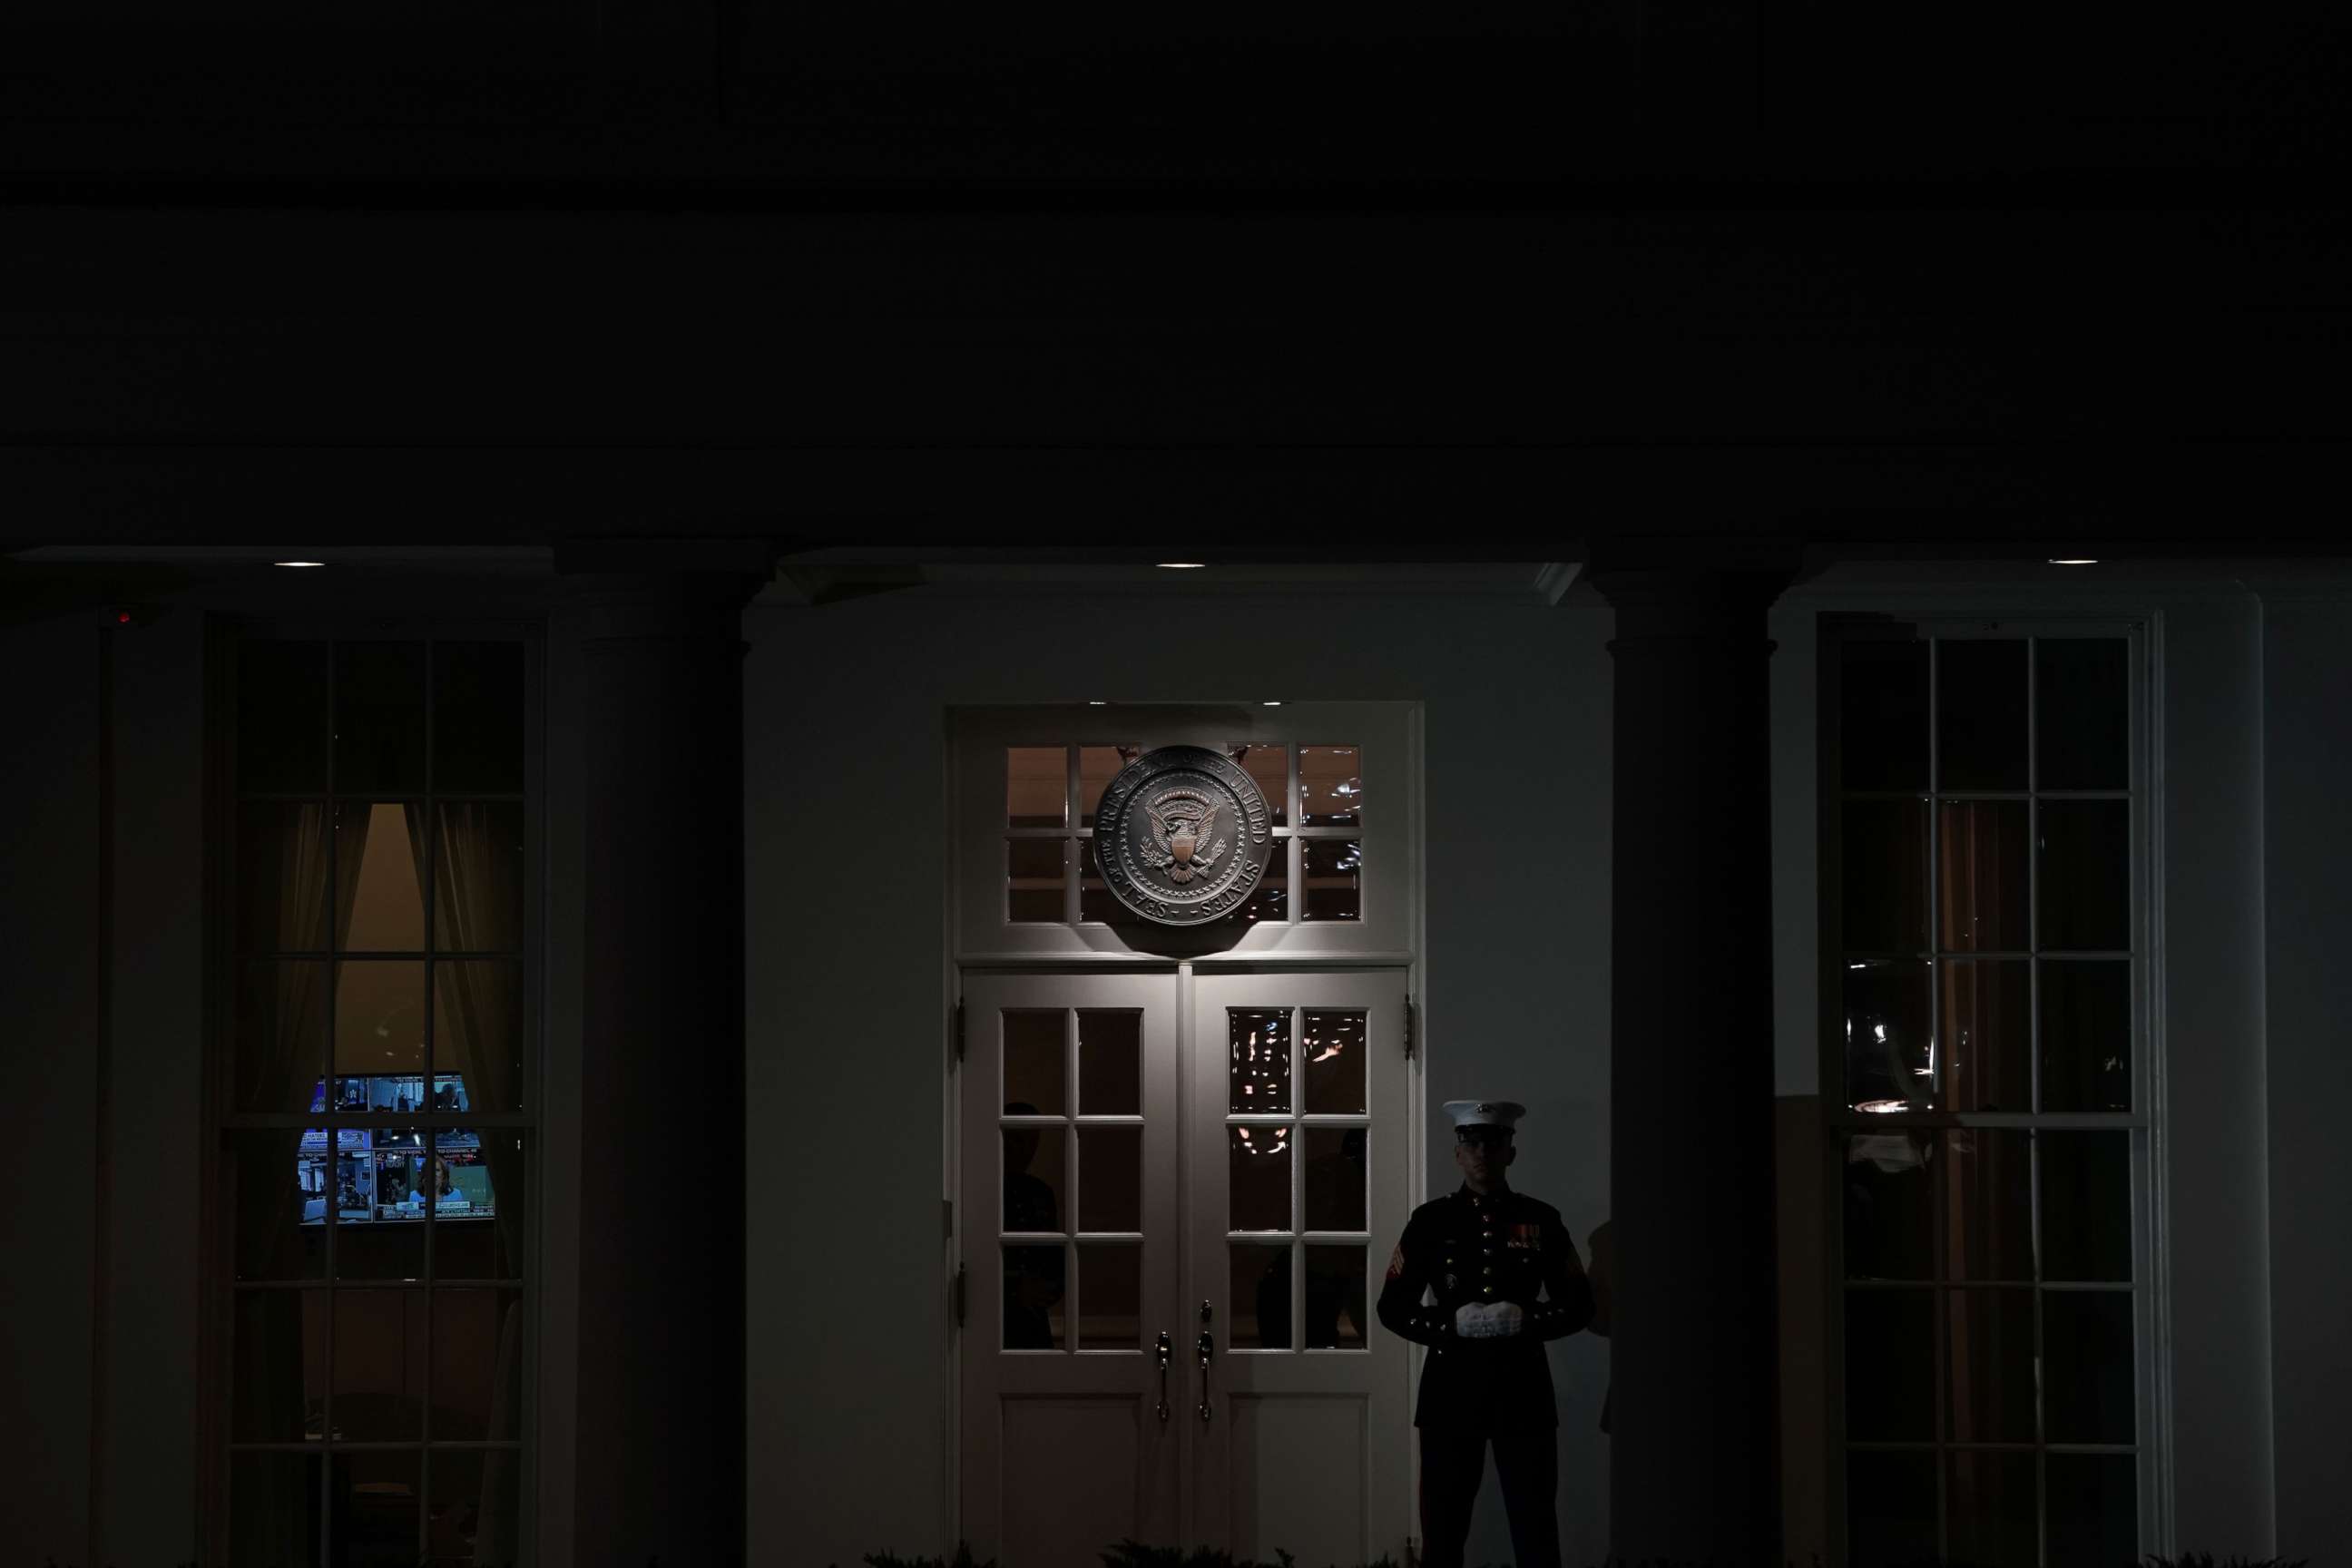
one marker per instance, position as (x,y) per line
(1092,703)
(1181,565)
(297,563)
(1269,704)
(2072,560)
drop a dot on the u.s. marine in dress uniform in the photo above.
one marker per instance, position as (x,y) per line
(1507,1279)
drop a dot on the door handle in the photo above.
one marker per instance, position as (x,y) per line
(1167,1352)
(1207,1347)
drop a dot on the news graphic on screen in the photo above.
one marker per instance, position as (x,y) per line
(385,1175)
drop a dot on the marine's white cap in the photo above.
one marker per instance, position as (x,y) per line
(1502,1113)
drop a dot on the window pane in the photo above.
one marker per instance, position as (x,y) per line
(274,1509)
(1258,1296)
(376,1497)
(1110,1298)
(475,1512)
(1098,765)
(277,1203)
(1110,1063)
(477,1358)
(1333,873)
(1889,1207)
(283,889)
(1332,1054)
(279,1034)
(380,718)
(1991,1392)
(1335,1178)
(1982,873)
(478,1042)
(1258,1068)
(2087,1339)
(1269,768)
(1035,1063)
(1257,1176)
(278,1389)
(1330,786)
(1096,900)
(1110,1178)
(379,1207)
(1034,1181)
(2094,1508)
(1890,1365)
(2082,713)
(477,731)
(2086,1034)
(1990,1232)
(1986,1039)
(1034,1290)
(478,877)
(378,1017)
(1890,1509)
(1032,871)
(2087,875)
(1882,715)
(1995,1514)
(1980,714)
(1883,846)
(281,718)
(1885,1035)
(377,872)
(2085,1205)
(1337,1316)
(379,1365)
(1269,902)
(1036,787)
(478,1200)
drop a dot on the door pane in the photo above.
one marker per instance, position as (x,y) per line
(380,718)
(2086,1231)
(275,1508)
(1983,874)
(1890,1365)
(379,1365)
(378,1017)
(1995,1514)
(1330,786)
(2087,875)
(1333,874)
(1991,1369)
(1269,768)
(1889,1207)
(478,877)
(1980,714)
(1335,1178)
(1110,1298)
(1258,1296)
(279,1391)
(1886,1040)
(2087,1341)
(1258,1066)
(2094,1508)
(1333,1055)
(1883,843)
(1337,1316)
(280,1034)
(1034,1185)
(1890,1507)
(478,1054)
(1036,787)
(1110,1178)
(478,717)
(283,886)
(376,866)
(376,1498)
(1032,878)
(477,1359)
(278,1203)
(1110,1063)
(1257,1176)
(1991,1231)
(1035,1062)
(475,1512)
(1098,765)
(2081,717)
(281,718)
(1882,715)
(2086,1034)
(1985,1044)
(1033,1298)
(480,1210)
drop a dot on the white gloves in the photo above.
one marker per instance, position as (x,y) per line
(1497,1321)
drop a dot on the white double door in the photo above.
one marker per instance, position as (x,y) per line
(1180,1190)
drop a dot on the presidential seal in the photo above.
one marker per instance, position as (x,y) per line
(1183,835)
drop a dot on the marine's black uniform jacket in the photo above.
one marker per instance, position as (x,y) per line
(1470,1249)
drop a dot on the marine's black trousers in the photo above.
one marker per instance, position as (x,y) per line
(1453,1459)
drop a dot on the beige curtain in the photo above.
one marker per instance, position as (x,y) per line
(473,877)
(277,1516)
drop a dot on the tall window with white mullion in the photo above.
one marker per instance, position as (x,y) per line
(1984,801)
(375,1122)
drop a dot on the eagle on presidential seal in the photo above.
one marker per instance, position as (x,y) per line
(1183,821)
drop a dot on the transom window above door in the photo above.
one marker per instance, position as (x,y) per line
(1337,782)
